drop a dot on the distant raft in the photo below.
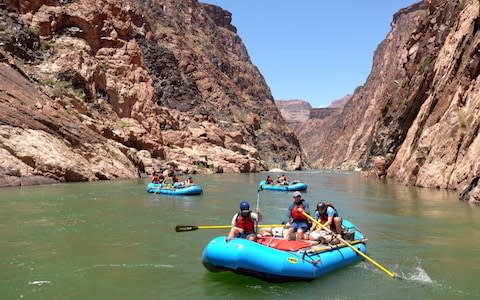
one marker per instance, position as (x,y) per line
(280,260)
(175,189)
(294,186)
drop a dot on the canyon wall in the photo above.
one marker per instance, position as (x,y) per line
(416,118)
(105,89)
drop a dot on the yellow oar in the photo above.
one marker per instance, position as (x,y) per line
(183,228)
(389,273)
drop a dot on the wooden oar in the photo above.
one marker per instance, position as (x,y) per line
(389,273)
(184,228)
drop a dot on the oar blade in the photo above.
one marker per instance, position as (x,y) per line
(185,228)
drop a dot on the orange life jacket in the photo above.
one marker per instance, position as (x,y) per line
(246,223)
(296,215)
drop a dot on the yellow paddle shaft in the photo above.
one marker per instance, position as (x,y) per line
(229,226)
(389,273)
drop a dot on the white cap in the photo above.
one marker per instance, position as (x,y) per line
(295,194)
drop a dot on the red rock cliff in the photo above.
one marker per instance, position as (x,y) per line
(109,89)
(416,117)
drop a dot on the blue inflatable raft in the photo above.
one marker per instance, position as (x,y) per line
(294,186)
(280,260)
(158,188)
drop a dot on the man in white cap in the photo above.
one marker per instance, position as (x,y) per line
(296,220)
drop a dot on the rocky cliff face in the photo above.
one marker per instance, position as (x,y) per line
(416,118)
(109,89)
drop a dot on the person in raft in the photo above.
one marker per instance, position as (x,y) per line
(243,223)
(327,215)
(185,183)
(155,178)
(269,180)
(297,222)
(175,178)
(284,179)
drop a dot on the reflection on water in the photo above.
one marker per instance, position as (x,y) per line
(177,201)
(112,240)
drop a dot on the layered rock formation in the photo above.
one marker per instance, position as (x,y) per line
(306,121)
(324,112)
(109,89)
(295,112)
(416,119)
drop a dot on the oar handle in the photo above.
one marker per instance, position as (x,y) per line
(389,273)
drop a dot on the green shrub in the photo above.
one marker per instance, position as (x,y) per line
(121,124)
(462,120)
(426,63)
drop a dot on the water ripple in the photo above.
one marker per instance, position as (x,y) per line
(127,266)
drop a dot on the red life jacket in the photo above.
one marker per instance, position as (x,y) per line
(246,223)
(296,215)
(155,179)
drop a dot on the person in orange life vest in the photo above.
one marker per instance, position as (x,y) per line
(297,221)
(329,217)
(243,223)
(269,180)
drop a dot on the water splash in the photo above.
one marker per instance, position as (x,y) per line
(418,274)
(39,282)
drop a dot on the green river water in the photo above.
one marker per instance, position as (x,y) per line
(112,240)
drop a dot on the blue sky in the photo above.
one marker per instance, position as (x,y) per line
(313,50)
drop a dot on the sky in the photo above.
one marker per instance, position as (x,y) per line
(313,50)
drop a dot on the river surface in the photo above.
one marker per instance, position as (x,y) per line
(112,240)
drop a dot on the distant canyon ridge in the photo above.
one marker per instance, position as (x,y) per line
(297,111)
